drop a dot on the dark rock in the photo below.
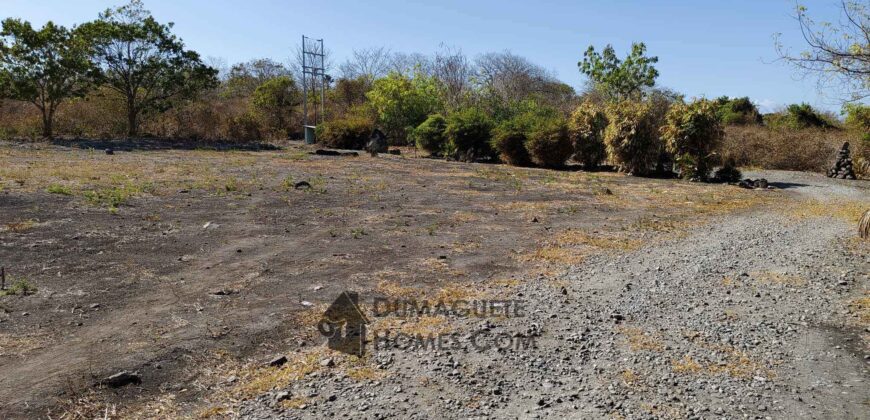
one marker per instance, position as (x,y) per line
(377,143)
(842,168)
(278,361)
(395,152)
(122,378)
(760,183)
(302,185)
(324,152)
(110,151)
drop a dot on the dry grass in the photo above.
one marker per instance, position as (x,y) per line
(639,340)
(771,277)
(20,226)
(860,308)
(19,345)
(797,150)
(610,242)
(847,210)
(555,255)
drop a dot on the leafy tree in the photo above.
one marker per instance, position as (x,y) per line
(402,103)
(857,117)
(276,98)
(838,53)
(244,78)
(549,144)
(692,132)
(141,58)
(620,79)
(44,67)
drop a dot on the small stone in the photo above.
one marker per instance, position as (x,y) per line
(327,363)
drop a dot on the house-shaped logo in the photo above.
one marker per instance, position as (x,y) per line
(344,325)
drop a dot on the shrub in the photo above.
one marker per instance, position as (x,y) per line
(402,102)
(631,136)
(346,133)
(549,144)
(244,128)
(429,135)
(728,172)
(586,131)
(858,118)
(797,117)
(509,141)
(692,133)
(737,111)
(468,129)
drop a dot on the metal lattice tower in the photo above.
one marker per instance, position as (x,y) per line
(313,67)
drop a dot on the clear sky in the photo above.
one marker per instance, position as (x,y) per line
(705,48)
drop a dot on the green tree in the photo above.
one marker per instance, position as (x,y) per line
(402,103)
(141,59)
(276,98)
(44,67)
(857,117)
(620,79)
(738,111)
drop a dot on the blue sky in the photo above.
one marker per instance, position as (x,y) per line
(705,48)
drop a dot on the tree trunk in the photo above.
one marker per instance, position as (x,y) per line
(47,124)
(132,121)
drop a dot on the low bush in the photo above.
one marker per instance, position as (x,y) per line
(632,137)
(347,133)
(549,144)
(429,136)
(467,130)
(586,130)
(728,172)
(692,133)
(244,128)
(509,141)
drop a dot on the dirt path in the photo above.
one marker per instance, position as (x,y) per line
(747,317)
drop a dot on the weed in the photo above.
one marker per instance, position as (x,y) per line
(59,189)
(22,287)
(358,233)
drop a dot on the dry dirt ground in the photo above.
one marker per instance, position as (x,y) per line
(193,267)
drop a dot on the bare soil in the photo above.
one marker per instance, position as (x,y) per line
(178,264)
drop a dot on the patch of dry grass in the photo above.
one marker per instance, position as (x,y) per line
(860,307)
(20,226)
(640,340)
(555,255)
(772,277)
(578,237)
(847,210)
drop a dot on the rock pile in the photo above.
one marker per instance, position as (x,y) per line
(748,183)
(842,169)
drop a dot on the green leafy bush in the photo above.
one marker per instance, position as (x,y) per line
(549,144)
(430,135)
(737,111)
(402,102)
(798,117)
(631,136)
(469,129)
(586,130)
(509,141)
(347,133)
(692,132)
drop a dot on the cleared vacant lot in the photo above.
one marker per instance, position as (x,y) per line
(194,266)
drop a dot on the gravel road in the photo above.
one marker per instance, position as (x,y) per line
(746,317)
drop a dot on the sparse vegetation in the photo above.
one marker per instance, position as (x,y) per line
(632,136)
(692,132)
(586,129)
